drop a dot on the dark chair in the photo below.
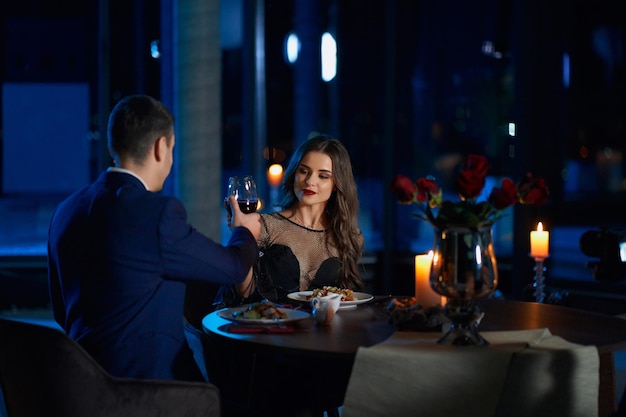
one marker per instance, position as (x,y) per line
(621,409)
(43,372)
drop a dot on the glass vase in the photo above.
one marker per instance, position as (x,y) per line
(463,269)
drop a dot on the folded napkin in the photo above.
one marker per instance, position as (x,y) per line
(236,328)
(521,373)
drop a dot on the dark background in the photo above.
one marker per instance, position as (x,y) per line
(419,84)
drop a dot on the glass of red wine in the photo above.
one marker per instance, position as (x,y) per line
(244,190)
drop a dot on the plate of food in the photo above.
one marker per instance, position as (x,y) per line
(349,298)
(262,312)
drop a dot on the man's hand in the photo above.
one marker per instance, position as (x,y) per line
(251,221)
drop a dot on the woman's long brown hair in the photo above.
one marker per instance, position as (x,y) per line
(342,208)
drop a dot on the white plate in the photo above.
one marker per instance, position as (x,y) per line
(360,298)
(292,315)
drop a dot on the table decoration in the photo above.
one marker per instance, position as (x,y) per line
(424,293)
(539,243)
(464,266)
(408,314)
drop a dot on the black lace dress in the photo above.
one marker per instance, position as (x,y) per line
(292,258)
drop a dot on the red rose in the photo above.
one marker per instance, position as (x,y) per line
(426,188)
(476,163)
(469,184)
(532,190)
(403,188)
(505,196)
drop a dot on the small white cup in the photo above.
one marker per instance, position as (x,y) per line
(332,300)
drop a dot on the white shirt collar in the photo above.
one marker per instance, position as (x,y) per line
(126,171)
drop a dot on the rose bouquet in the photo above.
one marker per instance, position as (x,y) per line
(467,211)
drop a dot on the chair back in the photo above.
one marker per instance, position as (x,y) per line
(43,372)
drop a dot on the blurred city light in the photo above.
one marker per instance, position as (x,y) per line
(292,48)
(154,49)
(566,72)
(329,57)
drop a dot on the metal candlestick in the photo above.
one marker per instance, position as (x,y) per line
(538,284)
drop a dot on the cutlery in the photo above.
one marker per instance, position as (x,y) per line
(281,328)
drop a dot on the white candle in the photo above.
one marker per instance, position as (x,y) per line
(539,242)
(424,294)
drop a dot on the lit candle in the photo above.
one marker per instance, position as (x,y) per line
(424,293)
(275,175)
(539,242)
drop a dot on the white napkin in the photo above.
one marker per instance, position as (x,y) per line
(521,373)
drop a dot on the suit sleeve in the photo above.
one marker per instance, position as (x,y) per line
(56,296)
(188,255)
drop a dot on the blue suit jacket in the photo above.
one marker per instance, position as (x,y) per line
(118,258)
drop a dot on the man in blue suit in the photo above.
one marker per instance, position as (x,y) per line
(120,253)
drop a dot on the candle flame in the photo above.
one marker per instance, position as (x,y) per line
(275,174)
(275,169)
(540,227)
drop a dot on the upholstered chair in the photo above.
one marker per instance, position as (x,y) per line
(43,372)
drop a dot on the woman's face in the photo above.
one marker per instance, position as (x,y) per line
(314,182)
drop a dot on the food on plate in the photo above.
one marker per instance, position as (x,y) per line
(346,294)
(261,310)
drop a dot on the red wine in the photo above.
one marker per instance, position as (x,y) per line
(246,206)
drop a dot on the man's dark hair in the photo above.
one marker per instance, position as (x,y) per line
(135,123)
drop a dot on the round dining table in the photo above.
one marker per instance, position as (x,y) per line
(306,370)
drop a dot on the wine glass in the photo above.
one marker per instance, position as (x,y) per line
(244,190)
